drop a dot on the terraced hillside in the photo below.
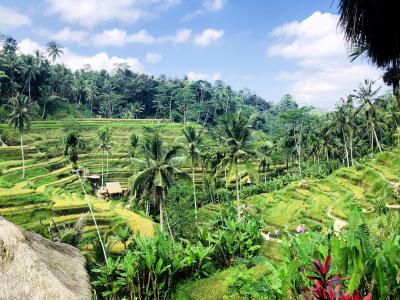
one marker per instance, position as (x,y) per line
(50,193)
(372,185)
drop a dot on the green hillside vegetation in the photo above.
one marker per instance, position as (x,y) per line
(319,203)
(50,193)
(222,194)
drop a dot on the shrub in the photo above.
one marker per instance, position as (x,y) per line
(232,239)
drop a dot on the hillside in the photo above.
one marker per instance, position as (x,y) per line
(373,185)
(51,193)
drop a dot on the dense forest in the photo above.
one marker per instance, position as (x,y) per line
(120,94)
(220,193)
(364,121)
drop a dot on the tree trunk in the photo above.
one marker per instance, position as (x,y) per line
(167,221)
(22,156)
(194,194)
(345,148)
(351,148)
(226,180)
(107,162)
(376,139)
(237,191)
(29,90)
(102,170)
(93,217)
(170,108)
(396,92)
(44,110)
(161,206)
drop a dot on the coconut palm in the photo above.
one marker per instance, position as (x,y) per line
(159,168)
(237,142)
(133,110)
(363,23)
(20,119)
(367,95)
(91,94)
(72,143)
(264,153)
(342,122)
(104,137)
(54,50)
(29,72)
(133,144)
(193,140)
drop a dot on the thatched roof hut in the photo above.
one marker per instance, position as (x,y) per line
(113,188)
(32,267)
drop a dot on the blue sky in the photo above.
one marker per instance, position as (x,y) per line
(271,47)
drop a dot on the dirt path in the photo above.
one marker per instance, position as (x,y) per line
(339,224)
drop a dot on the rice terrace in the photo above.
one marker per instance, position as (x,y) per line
(208,149)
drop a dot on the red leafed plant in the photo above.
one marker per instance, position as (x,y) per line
(328,287)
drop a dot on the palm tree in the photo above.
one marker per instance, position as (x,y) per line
(342,123)
(237,140)
(29,71)
(133,110)
(72,143)
(372,25)
(20,118)
(366,94)
(159,169)
(193,140)
(104,136)
(264,153)
(54,50)
(91,93)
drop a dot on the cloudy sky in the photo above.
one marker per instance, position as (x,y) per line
(271,47)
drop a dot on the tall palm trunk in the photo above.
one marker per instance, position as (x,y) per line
(29,90)
(44,110)
(161,206)
(23,156)
(237,191)
(93,217)
(351,147)
(107,162)
(345,148)
(226,180)
(102,170)
(376,139)
(194,193)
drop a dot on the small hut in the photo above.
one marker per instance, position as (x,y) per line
(114,188)
(32,267)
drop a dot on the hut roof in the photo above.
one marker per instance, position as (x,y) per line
(32,267)
(113,188)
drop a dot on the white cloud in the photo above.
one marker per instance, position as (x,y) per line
(152,57)
(181,36)
(27,46)
(65,35)
(10,18)
(324,72)
(91,12)
(207,37)
(207,6)
(193,76)
(213,5)
(75,61)
(118,37)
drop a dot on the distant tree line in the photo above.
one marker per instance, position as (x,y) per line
(122,93)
